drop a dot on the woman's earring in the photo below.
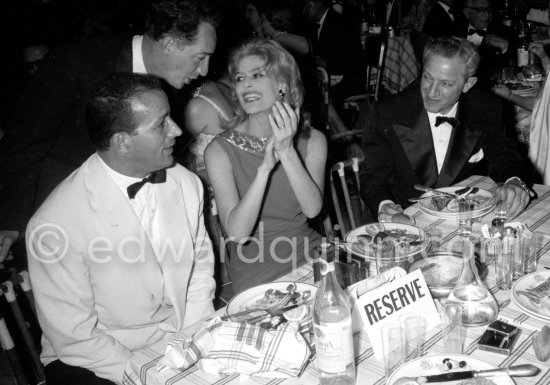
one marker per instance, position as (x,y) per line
(282,94)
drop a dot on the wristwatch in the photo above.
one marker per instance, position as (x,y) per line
(518,182)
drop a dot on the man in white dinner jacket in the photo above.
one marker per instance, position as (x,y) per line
(118,253)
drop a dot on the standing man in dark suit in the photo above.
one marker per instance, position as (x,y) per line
(438,135)
(443,19)
(339,45)
(496,42)
(46,138)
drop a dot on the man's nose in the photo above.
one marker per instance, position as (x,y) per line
(175,130)
(433,89)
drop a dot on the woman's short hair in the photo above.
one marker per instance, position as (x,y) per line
(279,63)
(450,47)
(109,108)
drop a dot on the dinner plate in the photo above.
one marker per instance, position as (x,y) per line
(451,210)
(426,366)
(373,228)
(528,282)
(252,295)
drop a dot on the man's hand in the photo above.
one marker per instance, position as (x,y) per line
(496,41)
(515,199)
(7,238)
(392,212)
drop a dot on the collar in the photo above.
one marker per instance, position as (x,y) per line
(138,66)
(446,8)
(451,114)
(321,21)
(121,180)
(479,29)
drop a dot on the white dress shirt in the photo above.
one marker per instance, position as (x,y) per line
(475,39)
(441,135)
(144,205)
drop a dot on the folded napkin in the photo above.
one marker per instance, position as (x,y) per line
(227,347)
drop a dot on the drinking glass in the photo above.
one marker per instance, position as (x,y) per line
(453,340)
(392,348)
(385,255)
(464,216)
(412,335)
(530,243)
(491,247)
(504,266)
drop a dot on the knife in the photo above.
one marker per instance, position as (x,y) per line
(525,370)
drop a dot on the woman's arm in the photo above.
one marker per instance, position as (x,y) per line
(525,102)
(307,181)
(238,215)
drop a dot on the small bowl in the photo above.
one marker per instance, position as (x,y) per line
(441,270)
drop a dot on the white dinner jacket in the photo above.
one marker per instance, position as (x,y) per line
(100,291)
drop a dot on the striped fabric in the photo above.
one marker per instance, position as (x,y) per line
(142,368)
(225,347)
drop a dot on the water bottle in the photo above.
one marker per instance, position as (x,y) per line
(333,332)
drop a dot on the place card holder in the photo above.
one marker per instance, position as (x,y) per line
(349,268)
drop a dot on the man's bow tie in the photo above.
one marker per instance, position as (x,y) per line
(155,177)
(446,119)
(480,32)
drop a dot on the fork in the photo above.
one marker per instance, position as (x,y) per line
(276,312)
(276,306)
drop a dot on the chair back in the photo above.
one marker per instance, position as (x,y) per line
(346,201)
(19,325)
(375,55)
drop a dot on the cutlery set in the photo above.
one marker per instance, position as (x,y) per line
(526,370)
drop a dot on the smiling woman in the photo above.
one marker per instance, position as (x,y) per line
(267,171)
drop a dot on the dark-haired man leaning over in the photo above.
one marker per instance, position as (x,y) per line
(118,254)
(438,135)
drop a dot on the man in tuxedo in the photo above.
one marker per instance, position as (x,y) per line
(46,136)
(443,19)
(118,253)
(496,42)
(339,45)
(438,135)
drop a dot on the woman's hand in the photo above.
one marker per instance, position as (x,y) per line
(502,91)
(284,123)
(537,47)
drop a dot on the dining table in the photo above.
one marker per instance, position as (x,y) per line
(142,369)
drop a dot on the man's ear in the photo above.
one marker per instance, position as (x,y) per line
(119,142)
(167,43)
(466,13)
(469,84)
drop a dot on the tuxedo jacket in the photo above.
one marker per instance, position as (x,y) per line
(438,22)
(491,58)
(100,290)
(47,137)
(399,150)
(339,45)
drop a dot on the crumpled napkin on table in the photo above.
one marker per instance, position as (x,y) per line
(227,347)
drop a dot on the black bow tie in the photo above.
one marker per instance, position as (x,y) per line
(446,119)
(155,177)
(480,32)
